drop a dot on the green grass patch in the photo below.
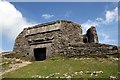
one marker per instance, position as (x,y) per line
(68,67)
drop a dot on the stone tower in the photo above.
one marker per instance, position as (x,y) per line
(92,35)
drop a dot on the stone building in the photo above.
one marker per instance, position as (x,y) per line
(57,38)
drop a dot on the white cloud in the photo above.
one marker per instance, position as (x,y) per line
(110,16)
(0,50)
(11,20)
(106,39)
(97,22)
(47,16)
(88,24)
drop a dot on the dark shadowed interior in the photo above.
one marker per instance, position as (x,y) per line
(40,54)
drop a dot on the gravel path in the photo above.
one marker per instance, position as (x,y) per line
(15,67)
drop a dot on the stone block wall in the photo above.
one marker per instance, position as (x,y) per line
(88,49)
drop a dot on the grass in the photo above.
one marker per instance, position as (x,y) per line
(5,63)
(64,67)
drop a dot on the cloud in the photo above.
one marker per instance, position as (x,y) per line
(12,21)
(88,24)
(47,16)
(106,38)
(97,22)
(0,50)
(110,16)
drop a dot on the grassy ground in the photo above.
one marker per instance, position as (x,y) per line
(60,67)
(5,63)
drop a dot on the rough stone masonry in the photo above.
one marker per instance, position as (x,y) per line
(60,37)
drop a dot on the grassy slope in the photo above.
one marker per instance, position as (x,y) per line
(5,64)
(68,65)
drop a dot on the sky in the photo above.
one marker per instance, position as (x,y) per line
(15,16)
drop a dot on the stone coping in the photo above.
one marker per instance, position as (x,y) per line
(51,23)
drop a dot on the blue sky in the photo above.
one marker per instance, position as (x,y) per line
(18,15)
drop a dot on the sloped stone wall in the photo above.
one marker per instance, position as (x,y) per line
(21,45)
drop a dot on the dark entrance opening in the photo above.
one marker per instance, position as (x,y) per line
(40,54)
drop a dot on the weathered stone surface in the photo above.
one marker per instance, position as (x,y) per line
(89,49)
(60,38)
(92,35)
(85,39)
